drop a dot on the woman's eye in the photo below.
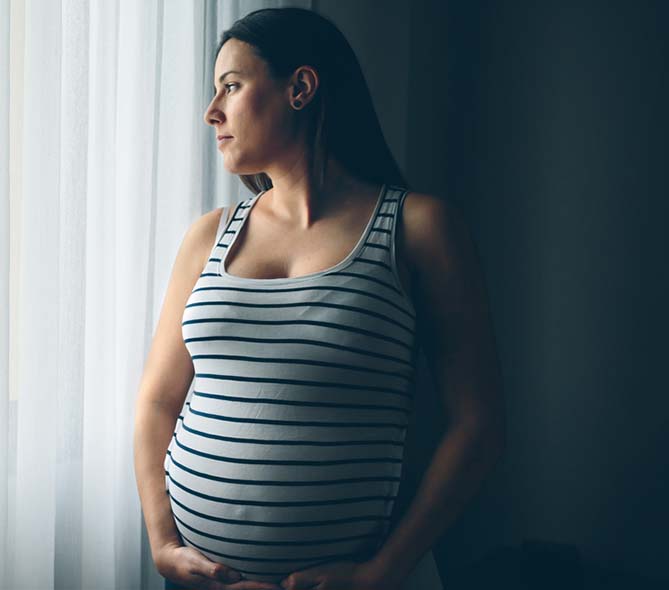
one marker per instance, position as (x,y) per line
(225,86)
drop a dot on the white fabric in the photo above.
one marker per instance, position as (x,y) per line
(107,164)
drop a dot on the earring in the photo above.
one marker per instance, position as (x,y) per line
(297,103)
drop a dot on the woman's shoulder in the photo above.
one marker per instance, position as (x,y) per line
(432,227)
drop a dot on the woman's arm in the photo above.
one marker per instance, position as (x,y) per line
(455,332)
(154,426)
(167,375)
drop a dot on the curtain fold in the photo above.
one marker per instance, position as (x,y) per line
(105,161)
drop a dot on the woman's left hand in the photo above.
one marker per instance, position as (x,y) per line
(339,575)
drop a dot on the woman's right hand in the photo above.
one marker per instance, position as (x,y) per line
(188,567)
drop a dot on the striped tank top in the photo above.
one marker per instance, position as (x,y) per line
(288,452)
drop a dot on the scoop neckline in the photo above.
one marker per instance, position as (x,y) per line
(279,280)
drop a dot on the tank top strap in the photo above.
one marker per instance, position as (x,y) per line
(230,229)
(380,240)
(222,222)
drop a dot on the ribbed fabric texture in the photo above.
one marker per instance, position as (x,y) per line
(288,453)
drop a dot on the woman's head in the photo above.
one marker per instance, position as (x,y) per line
(286,55)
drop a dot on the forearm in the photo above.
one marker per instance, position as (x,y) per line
(154,426)
(460,464)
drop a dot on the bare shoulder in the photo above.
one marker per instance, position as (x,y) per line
(436,241)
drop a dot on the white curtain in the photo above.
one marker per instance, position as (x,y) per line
(104,162)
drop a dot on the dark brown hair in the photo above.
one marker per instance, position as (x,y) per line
(341,121)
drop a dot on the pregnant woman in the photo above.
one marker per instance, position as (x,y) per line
(297,316)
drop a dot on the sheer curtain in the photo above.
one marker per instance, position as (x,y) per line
(104,162)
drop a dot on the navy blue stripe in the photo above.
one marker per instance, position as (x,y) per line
(305,404)
(325,463)
(304,382)
(310,304)
(290,484)
(289,361)
(298,323)
(324,287)
(303,504)
(303,423)
(287,524)
(297,341)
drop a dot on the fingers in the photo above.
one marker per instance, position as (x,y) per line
(223,573)
(216,572)
(214,579)
(218,576)
(243,585)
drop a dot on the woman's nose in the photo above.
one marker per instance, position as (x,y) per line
(212,117)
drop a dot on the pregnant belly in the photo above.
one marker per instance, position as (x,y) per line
(267,495)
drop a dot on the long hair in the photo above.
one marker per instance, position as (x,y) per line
(341,120)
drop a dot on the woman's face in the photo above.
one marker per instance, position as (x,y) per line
(251,107)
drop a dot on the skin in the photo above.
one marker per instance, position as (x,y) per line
(269,135)
(299,231)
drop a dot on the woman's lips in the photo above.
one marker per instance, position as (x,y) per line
(223,138)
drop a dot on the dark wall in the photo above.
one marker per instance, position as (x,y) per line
(548,123)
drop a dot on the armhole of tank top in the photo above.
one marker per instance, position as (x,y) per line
(393,248)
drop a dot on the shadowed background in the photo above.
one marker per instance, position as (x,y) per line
(547,122)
